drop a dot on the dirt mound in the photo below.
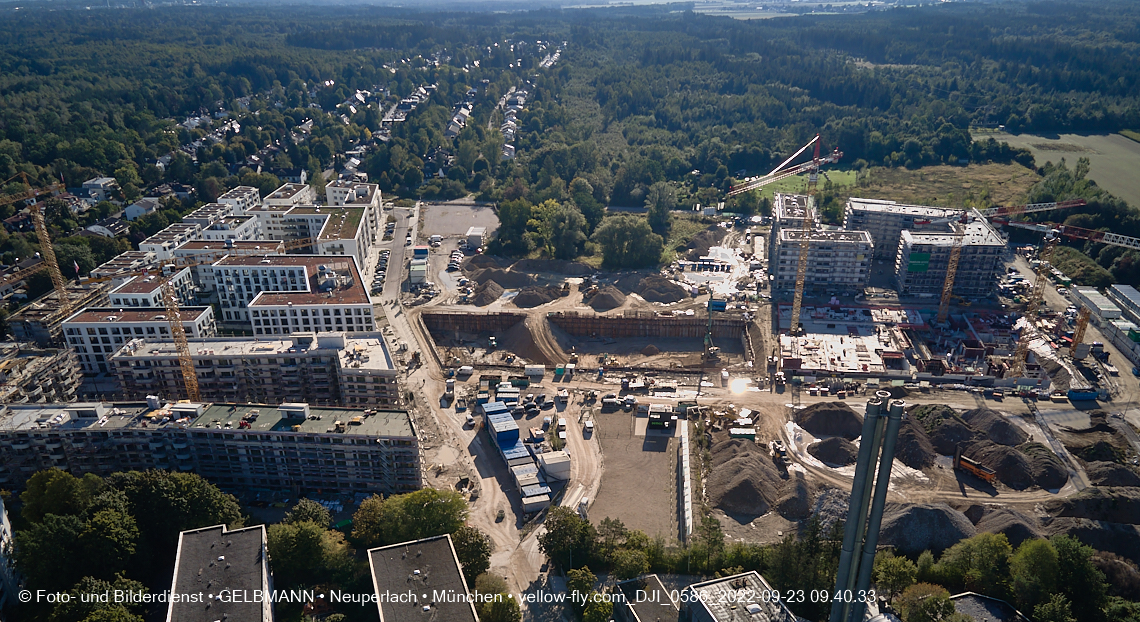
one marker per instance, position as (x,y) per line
(1016,526)
(1100,442)
(657,288)
(915,528)
(484,261)
(795,503)
(1111,504)
(505,278)
(830,419)
(835,451)
(701,243)
(650,350)
(1123,576)
(606,298)
(743,479)
(1119,538)
(1098,451)
(1111,474)
(486,293)
(913,447)
(946,430)
(521,341)
(996,427)
(536,295)
(1019,468)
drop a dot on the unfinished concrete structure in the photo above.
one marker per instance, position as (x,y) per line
(886,220)
(920,266)
(346,369)
(838,261)
(41,321)
(28,374)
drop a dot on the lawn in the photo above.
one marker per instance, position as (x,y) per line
(797,184)
(948,186)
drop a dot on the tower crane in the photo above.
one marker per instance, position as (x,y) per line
(778,173)
(46,251)
(1079,330)
(1021,354)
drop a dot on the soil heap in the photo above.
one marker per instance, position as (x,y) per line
(536,295)
(1031,464)
(606,298)
(656,288)
(651,350)
(553,266)
(701,243)
(1016,526)
(835,451)
(505,278)
(476,262)
(486,293)
(830,419)
(913,447)
(996,427)
(913,529)
(1111,474)
(795,503)
(946,430)
(742,479)
(1100,442)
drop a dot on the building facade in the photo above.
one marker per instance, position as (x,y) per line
(163,243)
(40,322)
(30,375)
(886,220)
(146,291)
(96,333)
(923,258)
(293,447)
(838,261)
(241,198)
(345,369)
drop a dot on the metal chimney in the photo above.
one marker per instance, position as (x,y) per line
(855,526)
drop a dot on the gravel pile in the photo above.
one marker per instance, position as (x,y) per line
(913,447)
(476,262)
(606,298)
(830,419)
(996,427)
(1119,538)
(831,507)
(651,350)
(835,451)
(1019,468)
(913,529)
(1016,526)
(1111,474)
(657,288)
(536,295)
(1109,504)
(795,503)
(743,480)
(701,243)
(505,278)
(486,293)
(553,266)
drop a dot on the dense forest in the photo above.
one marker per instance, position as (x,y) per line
(641,96)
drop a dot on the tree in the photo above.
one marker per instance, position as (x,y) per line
(1056,609)
(308,510)
(420,514)
(567,537)
(305,553)
(629,564)
(45,553)
(473,548)
(501,608)
(893,574)
(598,609)
(660,200)
(627,241)
(582,193)
(567,234)
(1033,573)
(1079,579)
(53,491)
(979,564)
(924,602)
(76,609)
(579,585)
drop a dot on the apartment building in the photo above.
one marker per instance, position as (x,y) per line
(289,195)
(130,261)
(886,220)
(241,199)
(163,243)
(920,266)
(291,447)
(788,211)
(282,294)
(40,322)
(201,253)
(233,228)
(225,561)
(838,261)
(347,230)
(32,375)
(95,333)
(209,214)
(146,291)
(345,369)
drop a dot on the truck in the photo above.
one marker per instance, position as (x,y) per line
(450,386)
(964,464)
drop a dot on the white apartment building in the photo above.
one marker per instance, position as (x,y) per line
(345,192)
(886,220)
(163,243)
(922,260)
(146,291)
(283,294)
(289,195)
(838,261)
(233,228)
(209,214)
(241,199)
(96,333)
(202,253)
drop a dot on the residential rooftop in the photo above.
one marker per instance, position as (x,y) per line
(882,205)
(343,221)
(216,558)
(141,284)
(126,262)
(649,599)
(366,348)
(209,213)
(792,206)
(838,235)
(978,233)
(286,191)
(751,601)
(347,291)
(240,192)
(174,232)
(135,314)
(235,245)
(422,567)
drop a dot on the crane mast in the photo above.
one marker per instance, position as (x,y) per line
(1022,353)
(951,272)
(178,332)
(805,242)
(1079,331)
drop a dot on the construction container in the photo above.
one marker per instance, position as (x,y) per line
(535,504)
(533,371)
(748,433)
(420,252)
(555,464)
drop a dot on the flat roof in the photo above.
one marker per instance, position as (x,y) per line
(343,221)
(286,191)
(1127,292)
(827,236)
(353,293)
(128,260)
(791,206)
(978,233)
(215,558)
(210,211)
(420,567)
(1098,299)
(751,593)
(216,245)
(373,352)
(143,284)
(891,207)
(649,600)
(239,192)
(135,314)
(173,232)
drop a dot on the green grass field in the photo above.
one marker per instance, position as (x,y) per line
(797,184)
(1133,134)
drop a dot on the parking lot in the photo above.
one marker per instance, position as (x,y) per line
(455,218)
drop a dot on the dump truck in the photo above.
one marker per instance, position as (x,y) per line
(962,463)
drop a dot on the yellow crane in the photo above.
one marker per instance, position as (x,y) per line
(1079,330)
(47,253)
(805,235)
(1021,354)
